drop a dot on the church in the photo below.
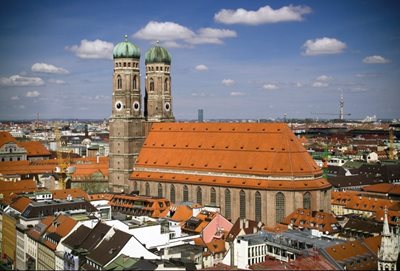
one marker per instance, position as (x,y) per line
(258,171)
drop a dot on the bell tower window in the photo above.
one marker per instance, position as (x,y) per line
(119,82)
(151,84)
(166,89)
(134,82)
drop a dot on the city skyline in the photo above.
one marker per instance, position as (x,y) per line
(261,59)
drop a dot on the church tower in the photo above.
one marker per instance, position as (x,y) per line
(389,250)
(158,98)
(126,135)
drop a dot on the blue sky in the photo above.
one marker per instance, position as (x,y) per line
(234,59)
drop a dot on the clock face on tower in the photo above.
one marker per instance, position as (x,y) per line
(167,106)
(118,105)
(136,106)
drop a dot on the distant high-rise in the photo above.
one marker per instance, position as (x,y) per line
(200,115)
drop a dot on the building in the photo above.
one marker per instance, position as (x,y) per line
(241,167)
(130,117)
(389,250)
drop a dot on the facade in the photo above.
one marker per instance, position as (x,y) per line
(389,250)
(257,171)
(9,238)
(9,148)
(129,117)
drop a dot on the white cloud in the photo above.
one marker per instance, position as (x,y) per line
(14,98)
(228,82)
(237,93)
(263,15)
(320,84)
(48,68)
(270,86)
(323,46)
(201,67)
(324,78)
(164,31)
(32,94)
(101,97)
(375,60)
(21,81)
(211,36)
(299,85)
(97,49)
(56,81)
(170,33)
(199,94)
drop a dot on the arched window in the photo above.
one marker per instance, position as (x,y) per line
(307,200)
(119,82)
(227,203)
(213,196)
(172,194)
(199,195)
(185,193)
(151,84)
(147,189)
(166,87)
(134,83)
(242,198)
(257,204)
(279,207)
(160,192)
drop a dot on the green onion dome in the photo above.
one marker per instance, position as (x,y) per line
(126,49)
(157,54)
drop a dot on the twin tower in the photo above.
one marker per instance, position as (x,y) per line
(131,116)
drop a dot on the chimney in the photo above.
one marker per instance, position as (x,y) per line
(254,229)
(97,158)
(246,223)
(241,223)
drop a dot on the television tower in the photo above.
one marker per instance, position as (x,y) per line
(341,109)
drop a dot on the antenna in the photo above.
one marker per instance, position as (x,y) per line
(341,108)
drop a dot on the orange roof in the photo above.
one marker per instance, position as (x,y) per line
(73,192)
(61,225)
(348,253)
(8,188)
(383,188)
(312,220)
(34,148)
(266,150)
(6,137)
(20,204)
(101,196)
(48,166)
(181,213)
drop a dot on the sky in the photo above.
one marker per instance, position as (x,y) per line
(233,59)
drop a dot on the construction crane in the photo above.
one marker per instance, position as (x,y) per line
(63,168)
(391,143)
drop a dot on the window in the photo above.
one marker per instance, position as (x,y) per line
(119,82)
(166,87)
(242,204)
(279,207)
(307,200)
(227,203)
(185,193)
(147,189)
(172,193)
(199,196)
(160,190)
(134,82)
(213,196)
(151,84)
(257,210)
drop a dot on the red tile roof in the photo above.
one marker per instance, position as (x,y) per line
(20,204)
(7,188)
(73,192)
(34,148)
(384,188)
(6,137)
(268,150)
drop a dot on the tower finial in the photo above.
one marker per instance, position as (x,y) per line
(126,37)
(157,42)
